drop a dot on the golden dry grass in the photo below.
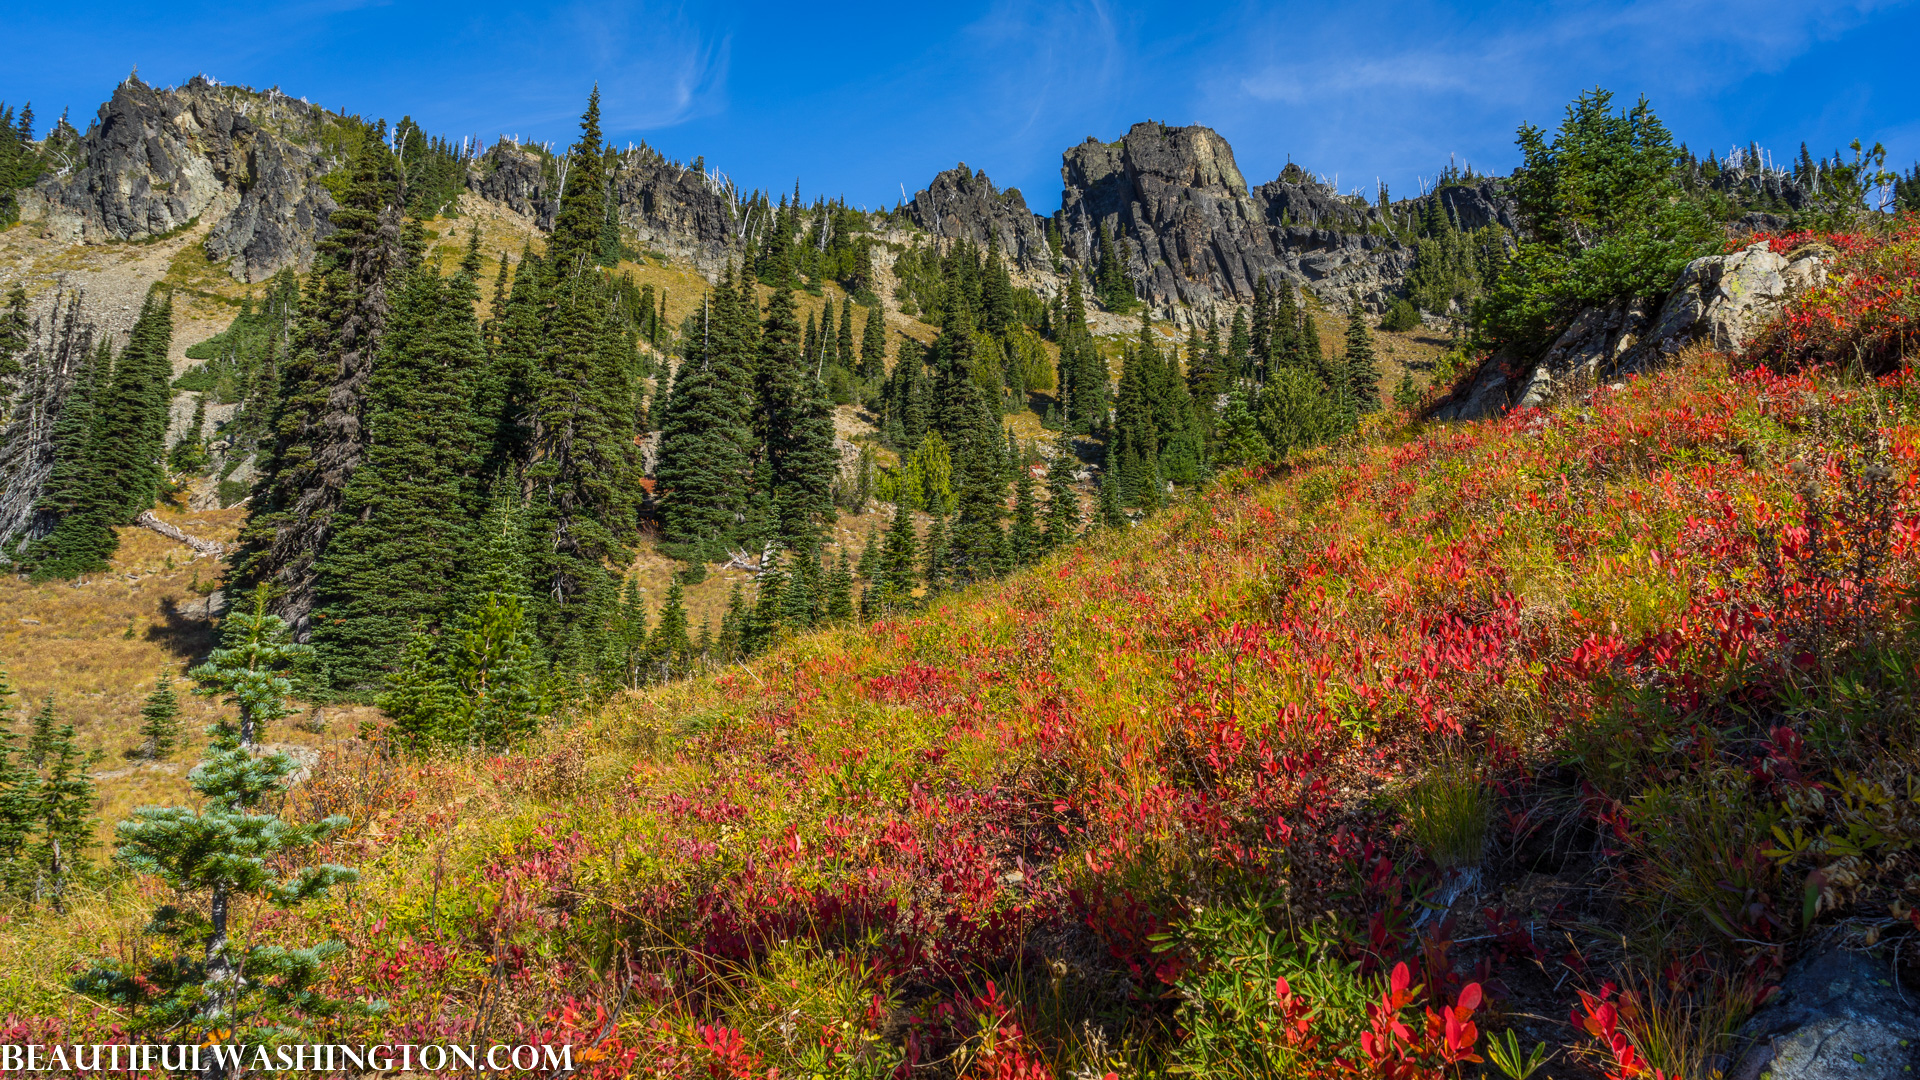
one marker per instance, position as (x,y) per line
(71,639)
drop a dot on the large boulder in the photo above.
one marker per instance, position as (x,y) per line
(1719,299)
(1723,299)
(1838,1016)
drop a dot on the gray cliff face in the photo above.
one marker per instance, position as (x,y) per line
(961,204)
(155,161)
(516,179)
(159,160)
(670,208)
(679,211)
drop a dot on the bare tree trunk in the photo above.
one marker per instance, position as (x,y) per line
(222,980)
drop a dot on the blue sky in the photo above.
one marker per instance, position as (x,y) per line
(862,99)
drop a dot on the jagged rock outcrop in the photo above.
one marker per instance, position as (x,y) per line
(961,203)
(1475,206)
(1190,228)
(680,211)
(676,210)
(516,179)
(155,161)
(1719,299)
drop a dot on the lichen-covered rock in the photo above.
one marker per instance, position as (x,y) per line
(1591,347)
(1723,299)
(1838,1016)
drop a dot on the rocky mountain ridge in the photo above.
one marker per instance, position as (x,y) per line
(1193,233)
(156,161)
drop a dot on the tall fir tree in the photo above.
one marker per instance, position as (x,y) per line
(1024,541)
(799,423)
(478,683)
(1063,501)
(130,428)
(706,432)
(669,649)
(843,342)
(1362,366)
(586,466)
(407,511)
(934,555)
(873,344)
(898,572)
(315,442)
(64,802)
(73,518)
(580,223)
(218,856)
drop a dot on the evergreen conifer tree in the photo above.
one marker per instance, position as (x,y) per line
(74,516)
(1111,515)
(897,573)
(934,561)
(189,454)
(836,604)
(250,669)
(213,990)
(733,626)
(477,683)
(669,649)
(40,733)
(130,430)
(579,224)
(873,344)
(1297,412)
(64,801)
(799,430)
(1239,441)
(1362,367)
(843,342)
(586,465)
(160,720)
(1063,502)
(1024,542)
(706,437)
(1111,284)
(869,564)
(314,440)
(407,511)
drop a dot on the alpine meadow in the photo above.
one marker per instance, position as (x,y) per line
(551,595)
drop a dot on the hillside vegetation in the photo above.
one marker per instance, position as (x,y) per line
(553,694)
(1486,720)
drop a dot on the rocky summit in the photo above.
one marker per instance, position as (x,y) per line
(1192,233)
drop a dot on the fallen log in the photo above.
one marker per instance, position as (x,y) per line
(205,547)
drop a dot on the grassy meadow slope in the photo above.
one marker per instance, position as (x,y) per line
(1439,732)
